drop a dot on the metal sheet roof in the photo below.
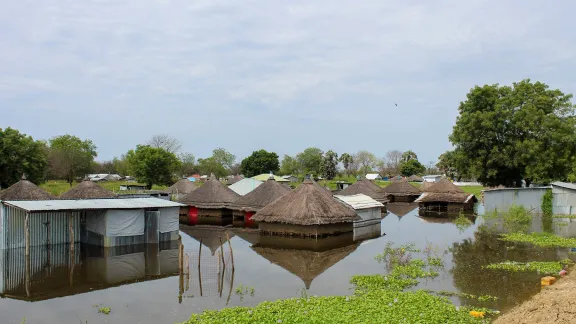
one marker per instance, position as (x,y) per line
(52,205)
(359,201)
(565,185)
(245,186)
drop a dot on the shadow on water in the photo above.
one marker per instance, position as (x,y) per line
(268,267)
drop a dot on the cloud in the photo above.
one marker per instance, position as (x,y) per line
(288,59)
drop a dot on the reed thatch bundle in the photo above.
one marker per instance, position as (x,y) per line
(212,195)
(402,188)
(365,187)
(308,204)
(87,190)
(444,186)
(24,190)
(263,195)
(182,187)
(306,265)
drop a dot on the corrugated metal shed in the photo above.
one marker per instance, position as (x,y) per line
(359,201)
(245,186)
(52,205)
(565,185)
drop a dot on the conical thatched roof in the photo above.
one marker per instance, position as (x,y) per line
(447,197)
(401,209)
(426,185)
(235,179)
(212,236)
(261,196)
(402,188)
(444,186)
(307,265)
(182,187)
(24,190)
(306,205)
(365,187)
(212,195)
(87,190)
(415,178)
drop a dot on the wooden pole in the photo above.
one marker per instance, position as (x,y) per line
(231,252)
(231,284)
(219,267)
(222,281)
(199,271)
(222,251)
(71,228)
(187,273)
(180,268)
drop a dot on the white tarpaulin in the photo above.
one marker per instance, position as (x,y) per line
(96,221)
(127,222)
(168,221)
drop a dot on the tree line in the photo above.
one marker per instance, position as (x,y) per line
(161,161)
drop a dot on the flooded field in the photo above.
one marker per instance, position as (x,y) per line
(142,284)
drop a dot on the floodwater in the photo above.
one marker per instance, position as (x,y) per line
(142,284)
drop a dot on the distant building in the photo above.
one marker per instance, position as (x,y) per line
(431,178)
(290,178)
(104,177)
(373,176)
(131,187)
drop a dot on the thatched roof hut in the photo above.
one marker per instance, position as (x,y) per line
(182,187)
(444,186)
(263,195)
(306,265)
(87,190)
(24,190)
(426,184)
(414,178)
(447,197)
(212,237)
(308,204)
(401,209)
(365,187)
(402,188)
(235,179)
(212,195)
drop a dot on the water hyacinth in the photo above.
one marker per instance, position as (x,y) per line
(540,239)
(552,267)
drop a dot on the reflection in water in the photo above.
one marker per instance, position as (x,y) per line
(56,271)
(401,209)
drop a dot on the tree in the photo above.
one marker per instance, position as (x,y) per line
(21,154)
(411,167)
(153,165)
(236,169)
(289,166)
(450,164)
(310,160)
(409,155)
(431,168)
(347,161)
(260,162)
(393,159)
(223,157)
(366,160)
(71,157)
(210,166)
(164,141)
(187,164)
(506,134)
(329,164)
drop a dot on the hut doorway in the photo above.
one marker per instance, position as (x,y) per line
(192,215)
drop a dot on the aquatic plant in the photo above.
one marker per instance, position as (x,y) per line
(540,239)
(552,267)
(547,203)
(104,310)
(482,298)
(517,219)
(394,256)
(244,291)
(462,222)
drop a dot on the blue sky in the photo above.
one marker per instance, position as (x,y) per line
(278,75)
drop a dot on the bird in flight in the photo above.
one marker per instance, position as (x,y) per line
(396,104)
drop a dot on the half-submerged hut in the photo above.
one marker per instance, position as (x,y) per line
(401,209)
(235,179)
(415,178)
(212,200)
(402,191)
(181,188)
(308,210)
(368,209)
(246,206)
(24,190)
(368,188)
(444,196)
(87,189)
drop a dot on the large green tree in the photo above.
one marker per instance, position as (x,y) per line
(366,161)
(260,162)
(21,154)
(329,164)
(71,157)
(289,166)
(409,155)
(187,164)
(506,134)
(210,166)
(310,160)
(411,167)
(347,161)
(152,165)
(223,157)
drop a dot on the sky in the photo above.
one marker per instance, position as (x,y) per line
(277,75)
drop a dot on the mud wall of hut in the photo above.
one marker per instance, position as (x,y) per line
(304,231)
(45,227)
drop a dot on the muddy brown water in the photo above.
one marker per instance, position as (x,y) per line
(142,284)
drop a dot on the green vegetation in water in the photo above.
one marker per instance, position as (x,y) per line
(394,256)
(377,298)
(435,262)
(540,239)
(483,298)
(104,310)
(549,268)
(462,222)
(517,219)
(244,291)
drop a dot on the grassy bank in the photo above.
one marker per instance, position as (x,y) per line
(58,187)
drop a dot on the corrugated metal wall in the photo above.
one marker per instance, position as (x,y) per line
(45,228)
(501,200)
(564,201)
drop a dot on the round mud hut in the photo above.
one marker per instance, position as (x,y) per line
(426,184)
(181,188)
(307,211)
(402,191)
(444,196)
(414,178)
(235,179)
(269,191)
(212,200)
(24,190)
(87,190)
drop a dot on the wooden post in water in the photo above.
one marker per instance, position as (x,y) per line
(231,285)
(231,252)
(199,271)
(219,266)
(187,272)
(222,251)
(180,271)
